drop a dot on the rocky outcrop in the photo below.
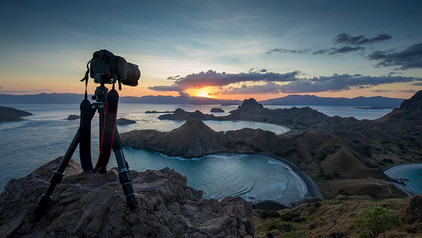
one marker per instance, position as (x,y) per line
(408,116)
(12,114)
(93,205)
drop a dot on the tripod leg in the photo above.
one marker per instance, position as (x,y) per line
(124,175)
(56,178)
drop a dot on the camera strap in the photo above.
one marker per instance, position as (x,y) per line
(85,135)
(108,130)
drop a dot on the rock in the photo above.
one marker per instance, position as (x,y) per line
(93,205)
(216,109)
(416,207)
(268,205)
(73,117)
(124,121)
(338,234)
(12,114)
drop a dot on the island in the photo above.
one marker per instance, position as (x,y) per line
(216,109)
(8,114)
(73,117)
(124,121)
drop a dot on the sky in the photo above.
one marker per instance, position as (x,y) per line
(220,49)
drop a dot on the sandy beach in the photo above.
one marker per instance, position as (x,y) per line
(397,172)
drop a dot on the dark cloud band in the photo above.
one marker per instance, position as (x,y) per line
(345,38)
(409,58)
(275,83)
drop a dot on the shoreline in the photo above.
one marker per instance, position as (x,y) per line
(313,189)
(396,173)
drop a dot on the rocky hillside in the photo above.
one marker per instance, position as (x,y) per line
(192,139)
(93,205)
(408,116)
(336,218)
(12,114)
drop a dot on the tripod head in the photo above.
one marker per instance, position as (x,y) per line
(100,94)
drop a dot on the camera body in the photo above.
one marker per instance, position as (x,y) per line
(105,67)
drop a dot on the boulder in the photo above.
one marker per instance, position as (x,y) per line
(93,205)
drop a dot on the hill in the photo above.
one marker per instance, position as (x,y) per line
(312,100)
(192,139)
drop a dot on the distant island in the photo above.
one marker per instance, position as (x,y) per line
(11,114)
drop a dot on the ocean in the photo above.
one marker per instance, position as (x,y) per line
(44,136)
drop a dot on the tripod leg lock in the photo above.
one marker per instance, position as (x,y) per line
(127,187)
(56,178)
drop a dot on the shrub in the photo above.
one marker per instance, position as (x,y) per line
(288,216)
(281,226)
(266,214)
(376,220)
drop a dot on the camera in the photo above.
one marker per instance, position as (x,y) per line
(105,67)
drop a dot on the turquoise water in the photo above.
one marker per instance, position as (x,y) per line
(415,179)
(410,175)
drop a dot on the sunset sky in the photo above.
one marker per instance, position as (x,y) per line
(220,49)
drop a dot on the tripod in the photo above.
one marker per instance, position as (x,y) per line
(100,96)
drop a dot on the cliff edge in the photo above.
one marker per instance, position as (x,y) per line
(93,205)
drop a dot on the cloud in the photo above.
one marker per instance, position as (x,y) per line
(409,91)
(338,82)
(268,88)
(417,84)
(381,91)
(334,51)
(262,81)
(1,87)
(344,49)
(345,38)
(411,57)
(173,77)
(284,51)
(213,78)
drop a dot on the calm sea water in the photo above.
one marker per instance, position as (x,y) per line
(26,145)
(411,176)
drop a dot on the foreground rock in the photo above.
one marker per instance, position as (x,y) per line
(12,114)
(93,205)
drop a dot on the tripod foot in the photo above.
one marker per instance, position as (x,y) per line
(41,207)
(125,181)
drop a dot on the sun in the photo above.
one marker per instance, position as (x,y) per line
(203,94)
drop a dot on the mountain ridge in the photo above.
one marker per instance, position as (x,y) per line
(310,100)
